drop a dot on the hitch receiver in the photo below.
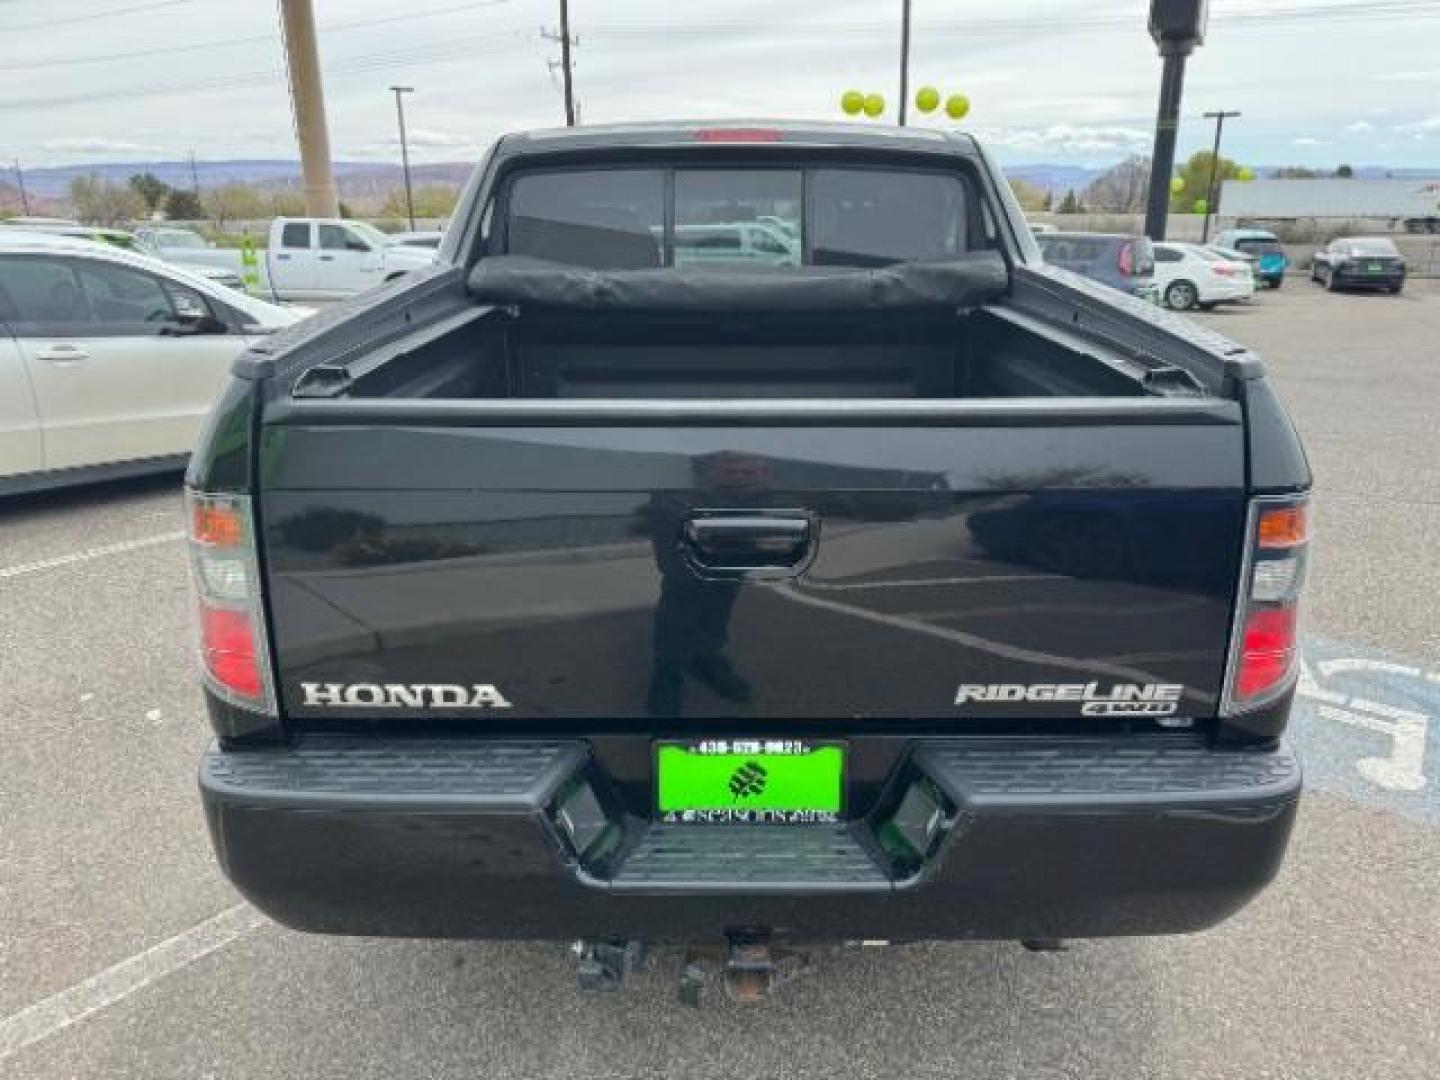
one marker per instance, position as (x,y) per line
(602,966)
(750,968)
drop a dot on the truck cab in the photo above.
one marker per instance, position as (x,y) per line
(317,258)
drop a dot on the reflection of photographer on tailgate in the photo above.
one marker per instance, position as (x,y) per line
(692,615)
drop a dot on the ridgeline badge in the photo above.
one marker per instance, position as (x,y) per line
(1121,699)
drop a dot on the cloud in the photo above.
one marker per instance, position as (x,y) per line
(1421,127)
(1305,140)
(1429,75)
(96,144)
(1071,139)
(429,137)
(1360,125)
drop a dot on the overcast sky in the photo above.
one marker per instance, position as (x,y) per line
(1050,80)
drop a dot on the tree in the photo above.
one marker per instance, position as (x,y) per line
(1195,175)
(97,201)
(1070,204)
(1028,195)
(183,205)
(431,201)
(150,188)
(1049,200)
(233,202)
(287,202)
(1345,171)
(1121,188)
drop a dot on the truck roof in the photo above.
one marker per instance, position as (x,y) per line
(671,133)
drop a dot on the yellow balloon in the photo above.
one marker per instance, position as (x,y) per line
(852,101)
(957,106)
(1177,186)
(874,105)
(927,99)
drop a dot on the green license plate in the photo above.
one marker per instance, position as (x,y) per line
(749,781)
(1374,268)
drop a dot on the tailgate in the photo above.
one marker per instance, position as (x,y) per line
(950,563)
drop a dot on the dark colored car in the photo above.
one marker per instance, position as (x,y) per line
(1126,263)
(1359,262)
(570,590)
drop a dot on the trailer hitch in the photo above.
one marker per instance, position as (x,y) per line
(602,966)
(746,964)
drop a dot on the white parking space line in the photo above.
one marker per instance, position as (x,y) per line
(86,555)
(116,983)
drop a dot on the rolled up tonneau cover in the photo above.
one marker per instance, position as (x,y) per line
(963,282)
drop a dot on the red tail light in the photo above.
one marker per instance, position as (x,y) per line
(1126,260)
(1224,269)
(1265,652)
(232,622)
(228,640)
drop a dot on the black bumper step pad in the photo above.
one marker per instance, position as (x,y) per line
(335,773)
(1097,773)
(749,859)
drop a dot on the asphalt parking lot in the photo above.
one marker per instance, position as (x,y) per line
(124,952)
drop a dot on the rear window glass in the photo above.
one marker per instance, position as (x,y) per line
(870,217)
(602,218)
(295,234)
(1258,247)
(738,217)
(1373,247)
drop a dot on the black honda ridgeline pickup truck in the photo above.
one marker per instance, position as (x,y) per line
(740,535)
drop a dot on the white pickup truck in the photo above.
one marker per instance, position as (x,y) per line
(322,259)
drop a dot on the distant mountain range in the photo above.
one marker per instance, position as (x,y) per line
(1062,178)
(353,177)
(362,179)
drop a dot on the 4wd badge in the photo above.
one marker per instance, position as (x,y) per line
(1120,699)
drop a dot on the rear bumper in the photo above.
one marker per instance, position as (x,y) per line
(478,838)
(1369,281)
(1229,291)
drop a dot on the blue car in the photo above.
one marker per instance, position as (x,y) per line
(1270,258)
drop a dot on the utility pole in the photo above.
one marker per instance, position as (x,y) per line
(194,174)
(1177,27)
(1210,193)
(20,182)
(405,150)
(565,62)
(904,57)
(308,99)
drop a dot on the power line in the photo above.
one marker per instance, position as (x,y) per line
(1380,10)
(95,15)
(454,49)
(253,39)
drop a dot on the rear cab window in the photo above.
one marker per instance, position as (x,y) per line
(295,234)
(741,217)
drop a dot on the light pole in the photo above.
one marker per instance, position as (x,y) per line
(405,150)
(1177,26)
(565,63)
(308,99)
(1219,118)
(904,57)
(20,182)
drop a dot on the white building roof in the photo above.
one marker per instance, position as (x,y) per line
(1330,197)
